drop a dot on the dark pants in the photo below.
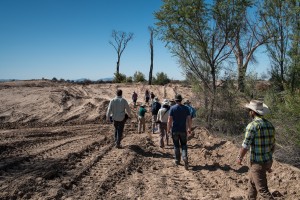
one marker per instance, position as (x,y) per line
(258,180)
(119,127)
(180,138)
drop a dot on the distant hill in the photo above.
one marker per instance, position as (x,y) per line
(7,80)
(85,79)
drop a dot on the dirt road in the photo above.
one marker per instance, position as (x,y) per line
(55,145)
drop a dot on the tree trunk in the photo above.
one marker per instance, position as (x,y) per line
(241,78)
(151,52)
(118,65)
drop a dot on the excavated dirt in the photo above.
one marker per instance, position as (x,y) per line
(55,144)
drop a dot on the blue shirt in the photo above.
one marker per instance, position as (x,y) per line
(192,111)
(179,113)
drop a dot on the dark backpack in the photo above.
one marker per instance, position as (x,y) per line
(155,108)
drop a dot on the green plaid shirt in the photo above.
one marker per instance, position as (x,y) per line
(260,138)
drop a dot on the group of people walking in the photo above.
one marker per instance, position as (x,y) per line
(173,118)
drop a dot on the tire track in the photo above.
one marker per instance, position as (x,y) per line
(104,171)
(61,160)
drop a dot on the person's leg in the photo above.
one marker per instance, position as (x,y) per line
(183,142)
(259,177)
(153,123)
(161,136)
(143,121)
(139,124)
(252,192)
(116,131)
(120,127)
(175,137)
(163,127)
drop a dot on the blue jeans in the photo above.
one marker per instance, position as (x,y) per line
(119,127)
(180,138)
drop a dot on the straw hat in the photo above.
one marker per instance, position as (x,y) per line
(258,107)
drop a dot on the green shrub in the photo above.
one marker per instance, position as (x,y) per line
(161,79)
(139,77)
(119,78)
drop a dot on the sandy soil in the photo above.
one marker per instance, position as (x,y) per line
(54,144)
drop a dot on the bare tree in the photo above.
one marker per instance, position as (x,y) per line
(151,53)
(120,42)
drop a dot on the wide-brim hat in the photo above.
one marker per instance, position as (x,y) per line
(156,99)
(142,105)
(178,97)
(258,106)
(165,102)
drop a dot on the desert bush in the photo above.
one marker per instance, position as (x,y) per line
(139,77)
(119,78)
(161,79)
(285,116)
(129,79)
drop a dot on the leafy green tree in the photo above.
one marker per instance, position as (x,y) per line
(294,53)
(197,34)
(277,19)
(139,77)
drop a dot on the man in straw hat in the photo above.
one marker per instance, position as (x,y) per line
(260,139)
(179,119)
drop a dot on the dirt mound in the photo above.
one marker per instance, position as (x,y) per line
(54,144)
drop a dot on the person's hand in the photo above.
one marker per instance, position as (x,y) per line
(239,160)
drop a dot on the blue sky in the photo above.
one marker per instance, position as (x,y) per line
(69,39)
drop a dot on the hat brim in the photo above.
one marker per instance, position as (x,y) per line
(264,111)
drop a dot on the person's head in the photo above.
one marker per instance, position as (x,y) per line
(178,98)
(142,105)
(119,92)
(257,108)
(187,102)
(172,102)
(156,99)
(165,103)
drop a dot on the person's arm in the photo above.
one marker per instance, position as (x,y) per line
(108,111)
(189,124)
(249,137)
(127,108)
(169,125)
(241,155)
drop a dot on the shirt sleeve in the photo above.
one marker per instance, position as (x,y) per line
(249,135)
(109,109)
(127,109)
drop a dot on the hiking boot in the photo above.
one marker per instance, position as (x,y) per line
(118,146)
(186,164)
(177,163)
